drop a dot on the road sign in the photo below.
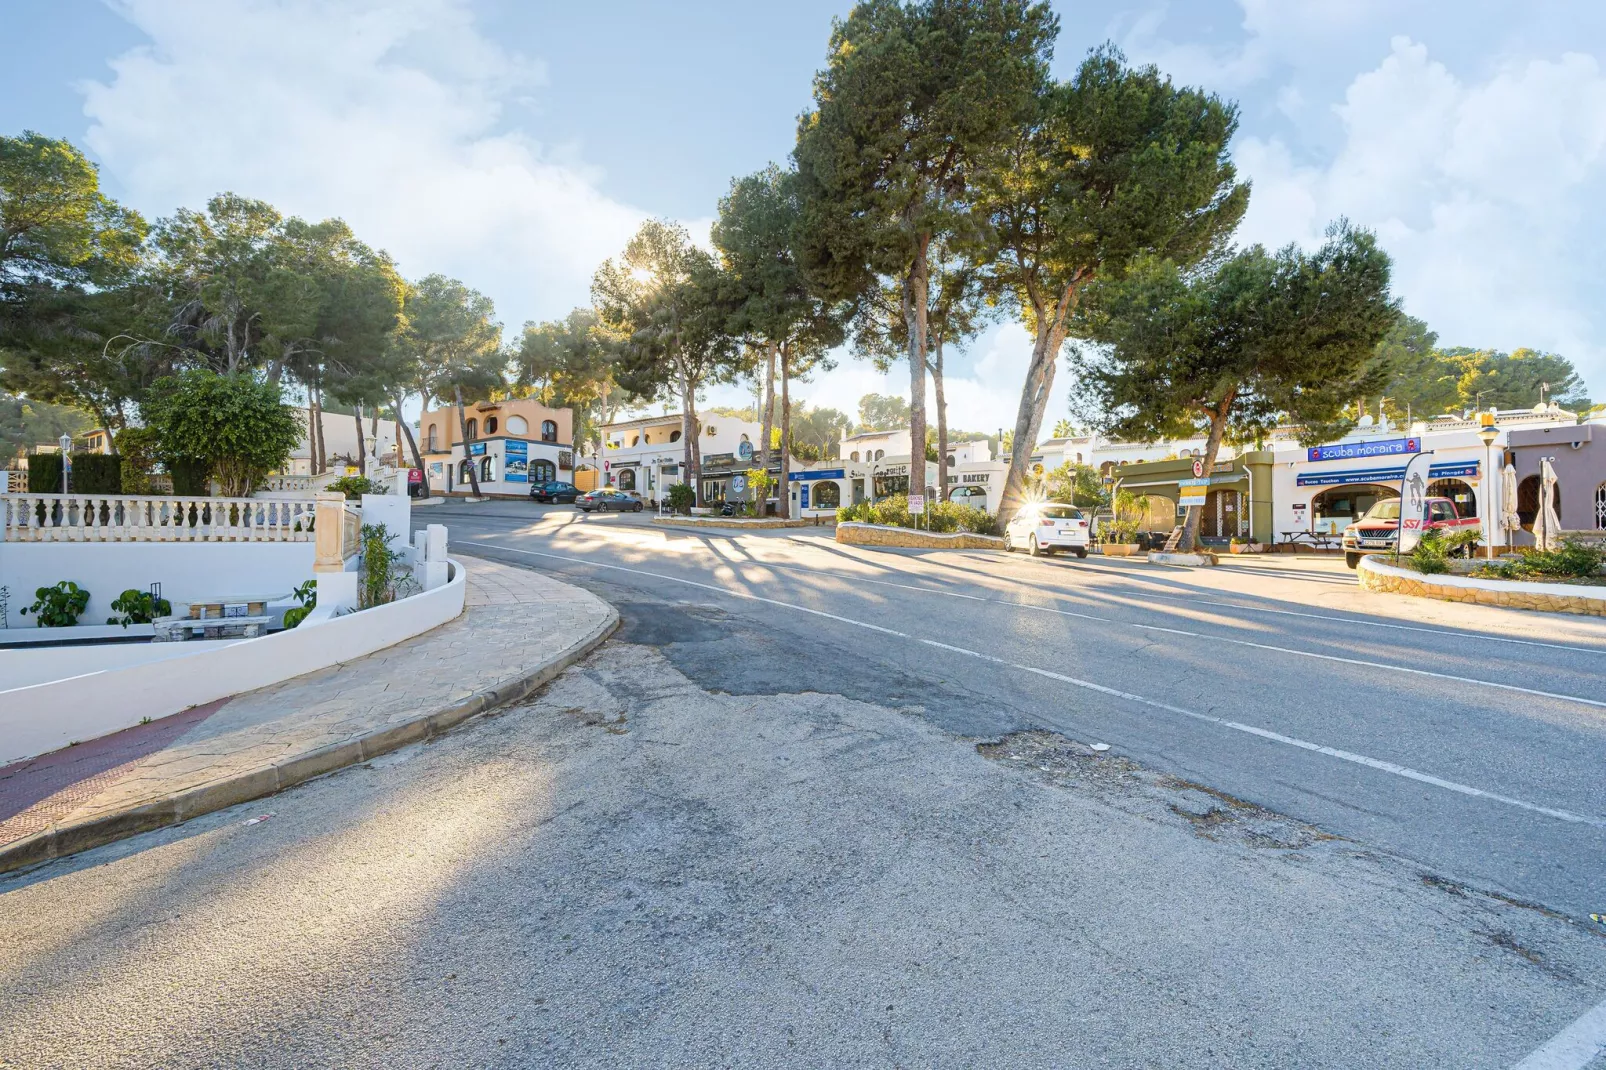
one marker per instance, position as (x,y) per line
(917,503)
(1198,468)
(1191,496)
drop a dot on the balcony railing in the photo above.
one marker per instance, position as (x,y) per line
(127,518)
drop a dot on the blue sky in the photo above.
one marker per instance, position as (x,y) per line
(515,144)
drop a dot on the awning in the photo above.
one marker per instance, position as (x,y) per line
(1448,470)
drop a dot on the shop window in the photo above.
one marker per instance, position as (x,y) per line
(543,471)
(487,470)
(549,431)
(466,470)
(827,495)
(674,436)
(626,479)
(490,425)
(1466,503)
(886,486)
(473,431)
(517,425)
(1341,505)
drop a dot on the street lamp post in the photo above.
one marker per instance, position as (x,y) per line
(1488,432)
(65,442)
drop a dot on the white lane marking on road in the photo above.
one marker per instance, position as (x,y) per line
(1224,639)
(1276,737)
(1574,1047)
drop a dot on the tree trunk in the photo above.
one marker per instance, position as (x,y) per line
(783,507)
(1034,402)
(915,298)
(362,453)
(942,422)
(1218,426)
(320,458)
(769,406)
(462,428)
(373,429)
(412,444)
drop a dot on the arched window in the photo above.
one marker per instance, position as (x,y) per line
(549,431)
(543,471)
(674,436)
(880,454)
(1528,501)
(490,425)
(486,469)
(951,461)
(635,440)
(627,479)
(467,469)
(433,443)
(473,429)
(1466,504)
(1600,506)
(827,495)
(517,425)
(711,431)
(854,456)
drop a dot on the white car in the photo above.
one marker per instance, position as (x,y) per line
(1045,527)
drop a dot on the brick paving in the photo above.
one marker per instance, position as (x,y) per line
(514,621)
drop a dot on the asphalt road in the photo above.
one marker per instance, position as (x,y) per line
(823,806)
(1475,755)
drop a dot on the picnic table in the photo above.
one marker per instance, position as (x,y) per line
(1319,540)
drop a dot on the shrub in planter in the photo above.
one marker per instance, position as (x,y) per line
(681,497)
(354,487)
(58,606)
(134,606)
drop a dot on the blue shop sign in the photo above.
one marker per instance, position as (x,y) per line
(475,449)
(1350,451)
(1448,470)
(833,473)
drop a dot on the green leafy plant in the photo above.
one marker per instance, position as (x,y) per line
(59,606)
(1572,560)
(1431,554)
(376,577)
(237,424)
(1126,520)
(134,606)
(681,497)
(354,487)
(307,595)
(939,516)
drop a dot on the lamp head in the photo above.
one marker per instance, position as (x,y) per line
(1488,433)
(65,442)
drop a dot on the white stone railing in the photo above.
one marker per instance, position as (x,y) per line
(129,518)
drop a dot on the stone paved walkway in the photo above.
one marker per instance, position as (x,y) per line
(515,623)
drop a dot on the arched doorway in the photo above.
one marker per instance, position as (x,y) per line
(543,472)
(1528,501)
(1340,506)
(625,479)
(1458,491)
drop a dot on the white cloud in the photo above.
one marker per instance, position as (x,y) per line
(1483,192)
(387,113)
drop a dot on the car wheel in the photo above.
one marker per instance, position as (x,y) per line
(637,509)
(1352,560)
(1009,543)
(1081,553)
(1033,548)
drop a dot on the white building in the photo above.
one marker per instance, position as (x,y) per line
(645,456)
(1323,488)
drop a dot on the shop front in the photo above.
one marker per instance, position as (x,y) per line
(818,491)
(1578,457)
(1325,499)
(1234,496)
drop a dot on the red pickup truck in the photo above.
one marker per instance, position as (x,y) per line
(1376,532)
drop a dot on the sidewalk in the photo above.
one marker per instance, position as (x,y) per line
(518,630)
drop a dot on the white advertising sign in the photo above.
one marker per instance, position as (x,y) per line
(1414,500)
(917,503)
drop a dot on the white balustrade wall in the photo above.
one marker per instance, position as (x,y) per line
(154,518)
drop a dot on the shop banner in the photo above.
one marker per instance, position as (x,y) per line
(810,477)
(1349,451)
(1414,500)
(516,461)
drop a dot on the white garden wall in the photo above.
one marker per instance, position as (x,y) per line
(187,571)
(45,717)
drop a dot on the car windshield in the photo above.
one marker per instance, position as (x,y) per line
(1059,512)
(1388,510)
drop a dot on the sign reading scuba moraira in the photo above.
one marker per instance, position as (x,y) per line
(1348,451)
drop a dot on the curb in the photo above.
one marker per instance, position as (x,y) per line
(59,841)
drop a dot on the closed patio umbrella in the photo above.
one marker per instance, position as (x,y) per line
(1509,520)
(1547,525)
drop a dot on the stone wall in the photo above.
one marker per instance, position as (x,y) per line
(1375,575)
(879,535)
(749,523)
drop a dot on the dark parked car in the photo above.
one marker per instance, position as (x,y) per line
(553,492)
(605,500)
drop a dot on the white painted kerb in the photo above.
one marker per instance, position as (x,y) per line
(48,716)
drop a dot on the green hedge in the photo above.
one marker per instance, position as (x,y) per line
(940,516)
(92,473)
(190,477)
